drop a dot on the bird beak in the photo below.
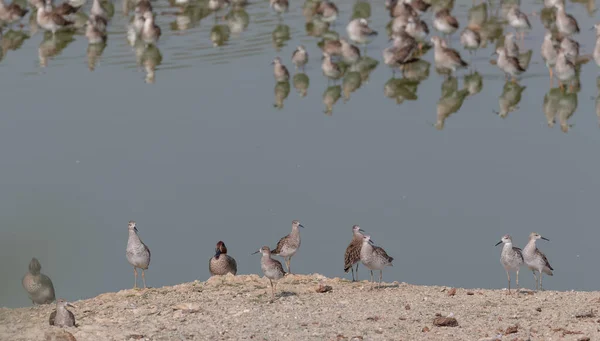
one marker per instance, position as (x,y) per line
(544,238)
(361,231)
(273,63)
(494,53)
(253,253)
(498,243)
(217,252)
(301,225)
(135,228)
(71,305)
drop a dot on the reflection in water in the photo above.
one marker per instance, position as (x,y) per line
(301,83)
(330,97)
(52,45)
(282,90)
(401,89)
(219,35)
(150,58)
(352,81)
(510,98)
(450,101)
(560,105)
(237,20)
(473,83)
(280,34)
(12,41)
(94,51)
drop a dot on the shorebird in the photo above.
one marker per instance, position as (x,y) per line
(38,286)
(332,47)
(536,260)
(289,245)
(327,11)
(65,8)
(279,6)
(511,258)
(359,31)
(98,11)
(280,71)
(549,52)
(419,6)
(62,317)
(49,20)
(444,22)
(94,34)
(331,70)
(150,32)
(401,52)
(417,29)
(565,23)
(400,9)
(510,46)
(352,255)
(11,13)
(518,20)
(470,39)
(350,53)
(508,65)
(565,69)
(221,263)
(374,257)
(138,254)
(272,268)
(300,57)
(571,49)
(143,6)
(445,57)
(596,53)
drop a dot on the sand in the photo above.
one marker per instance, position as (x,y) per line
(240,308)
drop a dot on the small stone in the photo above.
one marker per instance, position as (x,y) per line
(187,307)
(59,335)
(585,313)
(452,292)
(407,307)
(445,322)
(425,329)
(539,309)
(512,329)
(585,338)
(470,293)
(323,288)
(135,337)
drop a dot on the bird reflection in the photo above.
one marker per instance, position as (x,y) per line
(282,90)
(150,59)
(560,105)
(94,51)
(12,41)
(401,89)
(361,9)
(301,83)
(280,35)
(416,71)
(237,20)
(510,98)
(52,45)
(331,95)
(352,81)
(219,35)
(450,101)
(473,83)
(38,286)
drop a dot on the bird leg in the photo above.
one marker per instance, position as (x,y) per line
(380,277)
(536,279)
(289,260)
(551,79)
(508,275)
(272,289)
(518,280)
(134,278)
(357,270)
(352,268)
(541,288)
(144,278)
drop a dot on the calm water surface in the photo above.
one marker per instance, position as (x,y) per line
(215,150)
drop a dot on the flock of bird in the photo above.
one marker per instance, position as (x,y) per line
(361,249)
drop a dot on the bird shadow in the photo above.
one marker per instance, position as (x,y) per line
(286,294)
(385,286)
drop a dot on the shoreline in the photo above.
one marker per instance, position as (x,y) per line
(240,308)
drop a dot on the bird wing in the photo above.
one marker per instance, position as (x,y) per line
(52,317)
(456,56)
(352,255)
(15,8)
(519,253)
(295,52)
(515,60)
(381,252)
(279,246)
(60,20)
(452,21)
(538,252)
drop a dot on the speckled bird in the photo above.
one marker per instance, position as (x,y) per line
(374,257)
(138,254)
(39,287)
(221,263)
(511,258)
(289,245)
(352,255)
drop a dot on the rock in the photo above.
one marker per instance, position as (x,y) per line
(538,309)
(585,338)
(407,307)
(445,322)
(59,335)
(134,337)
(470,293)
(187,307)
(323,288)
(425,329)
(452,292)
(512,330)
(585,313)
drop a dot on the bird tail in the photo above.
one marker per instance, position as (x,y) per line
(548,271)
(347,268)
(463,63)
(274,251)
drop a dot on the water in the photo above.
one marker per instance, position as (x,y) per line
(203,155)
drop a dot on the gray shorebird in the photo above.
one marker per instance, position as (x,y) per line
(518,20)
(330,69)
(279,6)
(401,52)
(94,34)
(98,11)
(445,57)
(420,6)
(62,317)
(536,260)
(350,53)
(444,22)
(12,13)
(272,268)
(49,20)
(549,52)
(565,69)
(221,263)
(374,257)
(39,287)
(65,8)
(288,245)
(359,31)
(150,32)
(510,45)
(470,39)
(511,258)
(280,72)
(570,48)
(327,11)
(417,29)
(596,53)
(352,255)
(565,23)
(138,254)
(300,57)
(508,65)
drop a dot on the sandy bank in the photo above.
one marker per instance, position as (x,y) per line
(239,308)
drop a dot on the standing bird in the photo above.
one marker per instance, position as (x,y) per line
(327,11)
(596,53)
(279,6)
(565,69)
(445,57)
(288,245)
(138,254)
(508,65)
(49,20)
(374,257)
(350,53)
(352,255)
(566,23)
(470,39)
(11,13)
(272,268)
(300,57)
(280,72)
(39,287)
(221,263)
(518,20)
(330,69)
(62,317)
(510,45)
(150,32)
(511,258)
(444,22)
(549,53)
(536,260)
(359,31)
